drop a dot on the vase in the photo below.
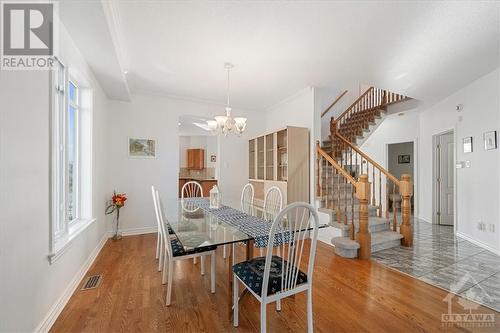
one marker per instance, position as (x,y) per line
(117,235)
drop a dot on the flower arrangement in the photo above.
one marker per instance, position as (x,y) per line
(117,201)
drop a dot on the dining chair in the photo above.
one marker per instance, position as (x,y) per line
(159,237)
(273,203)
(272,278)
(247,195)
(174,251)
(193,189)
(247,207)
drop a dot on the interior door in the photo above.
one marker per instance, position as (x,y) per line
(445,179)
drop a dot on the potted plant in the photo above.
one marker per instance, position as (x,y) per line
(115,204)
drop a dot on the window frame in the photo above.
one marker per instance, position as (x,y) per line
(63,231)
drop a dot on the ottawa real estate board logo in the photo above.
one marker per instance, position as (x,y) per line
(27,35)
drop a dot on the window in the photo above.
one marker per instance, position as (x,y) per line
(71,209)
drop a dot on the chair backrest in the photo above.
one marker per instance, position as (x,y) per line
(155,202)
(247,196)
(273,203)
(294,224)
(191,189)
(163,226)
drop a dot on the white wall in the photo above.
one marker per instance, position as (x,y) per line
(156,116)
(476,197)
(29,285)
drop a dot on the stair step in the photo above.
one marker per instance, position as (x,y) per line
(348,248)
(385,240)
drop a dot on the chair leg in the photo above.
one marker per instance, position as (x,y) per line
(202,264)
(278,305)
(236,297)
(158,245)
(309,311)
(212,273)
(262,317)
(170,278)
(224,255)
(166,263)
(195,260)
(162,255)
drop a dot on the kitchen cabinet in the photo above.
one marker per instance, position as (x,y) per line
(196,159)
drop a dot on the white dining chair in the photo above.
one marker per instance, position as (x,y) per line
(159,237)
(247,207)
(193,189)
(174,251)
(273,203)
(247,195)
(272,278)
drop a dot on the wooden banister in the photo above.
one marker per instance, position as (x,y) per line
(334,102)
(354,103)
(339,168)
(369,159)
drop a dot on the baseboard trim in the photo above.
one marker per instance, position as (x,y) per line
(135,231)
(57,308)
(478,243)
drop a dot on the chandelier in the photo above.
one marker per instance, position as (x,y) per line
(227,124)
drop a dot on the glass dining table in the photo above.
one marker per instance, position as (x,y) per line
(198,226)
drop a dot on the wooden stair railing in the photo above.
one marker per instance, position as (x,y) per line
(334,102)
(383,185)
(360,188)
(358,115)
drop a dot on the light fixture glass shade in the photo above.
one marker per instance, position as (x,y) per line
(240,123)
(221,120)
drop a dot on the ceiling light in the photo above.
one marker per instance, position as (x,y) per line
(227,124)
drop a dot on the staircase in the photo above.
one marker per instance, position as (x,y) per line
(354,190)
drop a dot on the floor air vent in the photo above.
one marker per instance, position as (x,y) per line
(92,282)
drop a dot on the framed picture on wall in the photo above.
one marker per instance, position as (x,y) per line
(141,148)
(467,142)
(404,159)
(490,140)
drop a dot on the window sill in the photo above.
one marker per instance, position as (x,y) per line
(64,242)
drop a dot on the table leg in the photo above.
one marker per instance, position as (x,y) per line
(250,246)
(229,254)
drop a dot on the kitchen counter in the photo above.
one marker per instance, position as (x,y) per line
(200,179)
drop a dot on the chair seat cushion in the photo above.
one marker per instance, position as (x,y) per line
(251,273)
(178,249)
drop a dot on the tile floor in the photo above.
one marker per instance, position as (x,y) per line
(449,262)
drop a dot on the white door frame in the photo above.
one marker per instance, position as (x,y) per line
(435,162)
(415,170)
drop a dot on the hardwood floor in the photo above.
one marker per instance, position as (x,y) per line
(349,296)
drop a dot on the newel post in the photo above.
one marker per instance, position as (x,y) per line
(406,229)
(363,237)
(318,173)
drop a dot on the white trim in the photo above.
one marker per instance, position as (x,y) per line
(59,305)
(478,243)
(134,231)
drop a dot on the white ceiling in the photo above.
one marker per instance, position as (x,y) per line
(426,50)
